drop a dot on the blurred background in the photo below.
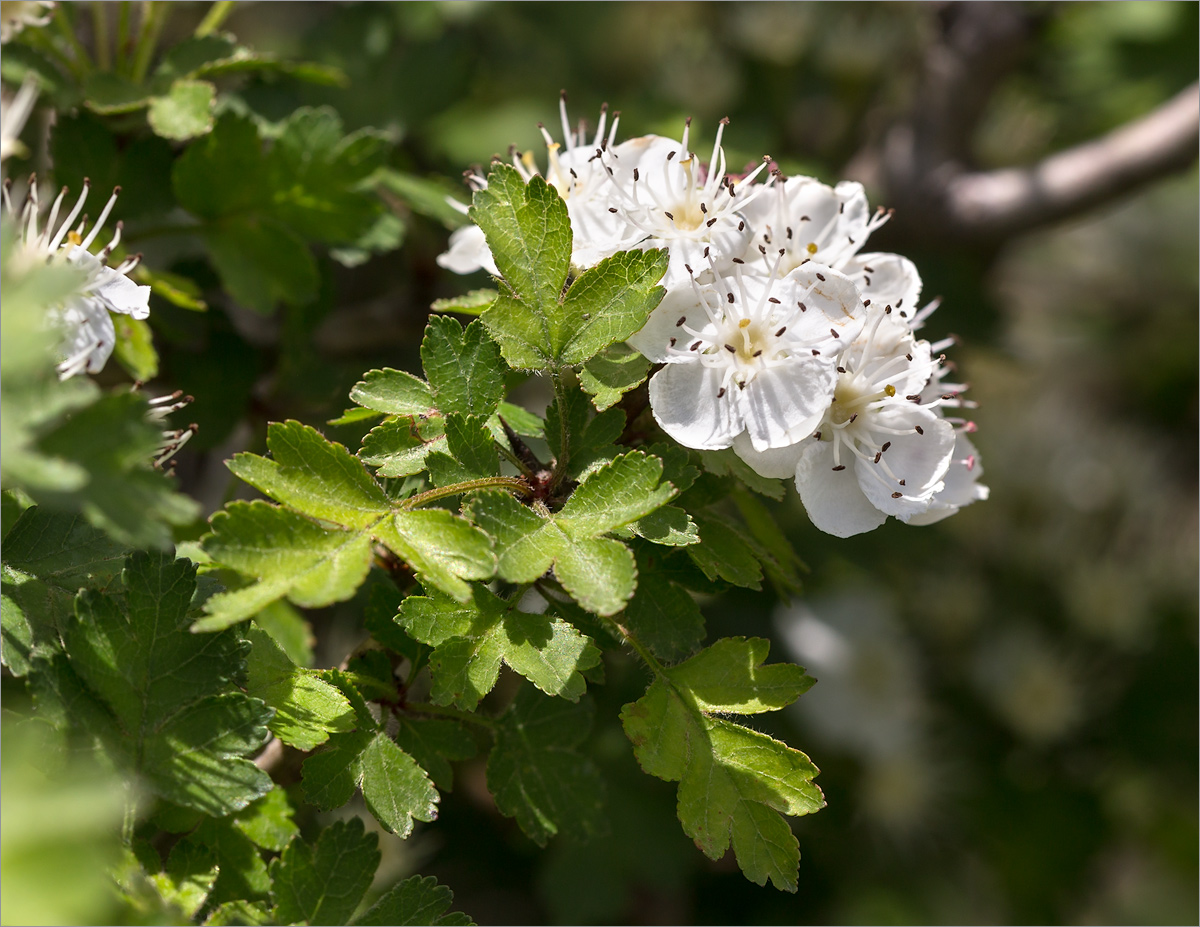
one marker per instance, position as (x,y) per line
(1006,714)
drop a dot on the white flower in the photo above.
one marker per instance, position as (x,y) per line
(878,450)
(754,358)
(15,15)
(810,221)
(962,486)
(89,336)
(660,188)
(576,171)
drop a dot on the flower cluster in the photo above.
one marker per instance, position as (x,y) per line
(778,337)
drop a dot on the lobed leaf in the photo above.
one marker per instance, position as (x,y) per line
(734,783)
(463,366)
(537,775)
(415,901)
(324,883)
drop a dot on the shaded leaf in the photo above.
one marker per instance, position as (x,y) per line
(415,901)
(323,883)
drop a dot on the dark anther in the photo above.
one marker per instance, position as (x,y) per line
(839,467)
(821,277)
(781,331)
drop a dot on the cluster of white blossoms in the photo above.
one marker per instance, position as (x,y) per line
(777,336)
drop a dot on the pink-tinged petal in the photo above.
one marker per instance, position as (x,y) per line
(654,340)
(683,398)
(468,252)
(832,498)
(784,405)
(921,460)
(886,279)
(962,484)
(776,464)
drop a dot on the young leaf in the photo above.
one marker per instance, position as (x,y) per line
(399,447)
(472,303)
(307,709)
(415,901)
(612,373)
(463,367)
(610,302)
(393,392)
(598,572)
(471,640)
(323,883)
(184,112)
(470,452)
(178,720)
(536,773)
(670,526)
(732,780)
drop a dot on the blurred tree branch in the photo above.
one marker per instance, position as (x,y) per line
(924,162)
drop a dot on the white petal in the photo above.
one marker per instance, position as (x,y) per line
(468,252)
(120,294)
(785,404)
(894,280)
(833,499)
(683,398)
(921,460)
(962,484)
(654,340)
(776,464)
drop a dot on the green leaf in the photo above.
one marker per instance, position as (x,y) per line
(399,447)
(111,94)
(779,559)
(613,372)
(324,883)
(445,550)
(394,392)
(178,720)
(223,173)
(395,788)
(426,197)
(134,349)
(187,878)
(536,773)
(732,780)
(724,553)
(315,476)
(185,112)
(113,442)
(238,913)
(288,555)
(599,572)
(471,640)
(415,901)
(184,59)
(470,452)
(463,367)
(307,709)
(267,823)
(727,463)
(670,526)
(434,744)
(529,233)
(522,421)
(662,614)
(174,288)
(610,302)
(472,303)
(262,262)
(289,629)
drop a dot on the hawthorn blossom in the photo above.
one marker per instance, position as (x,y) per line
(692,209)
(14,113)
(576,171)
(89,336)
(810,221)
(752,357)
